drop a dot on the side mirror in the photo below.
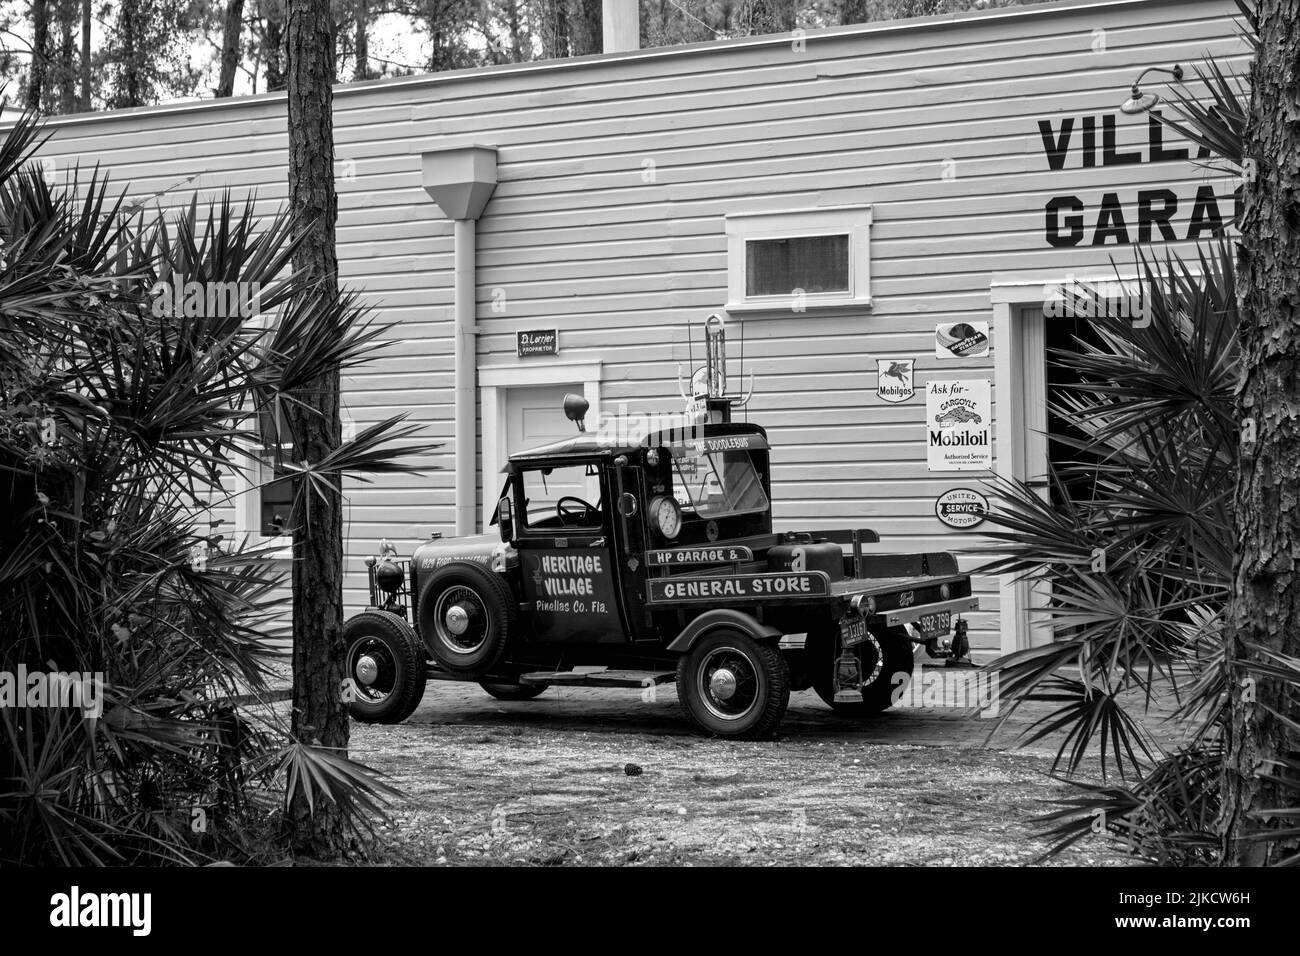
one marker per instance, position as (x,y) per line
(506,520)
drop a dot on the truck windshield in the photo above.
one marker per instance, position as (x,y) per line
(716,483)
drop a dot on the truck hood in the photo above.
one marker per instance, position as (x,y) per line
(478,549)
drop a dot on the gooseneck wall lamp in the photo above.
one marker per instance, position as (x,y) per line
(1139,102)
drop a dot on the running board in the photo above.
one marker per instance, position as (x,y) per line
(600,678)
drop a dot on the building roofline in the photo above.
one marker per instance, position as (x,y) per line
(597,60)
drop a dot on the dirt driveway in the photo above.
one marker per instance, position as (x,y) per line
(603,777)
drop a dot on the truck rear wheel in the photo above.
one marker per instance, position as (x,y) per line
(385,662)
(733,686)
(513,691)
(467,615)
(883,657)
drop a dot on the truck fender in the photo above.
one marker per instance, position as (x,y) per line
(721,617)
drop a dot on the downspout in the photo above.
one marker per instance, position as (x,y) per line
(461,181)
(466,393)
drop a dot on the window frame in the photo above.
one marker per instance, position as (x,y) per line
(693,510)
(746,227)
(595,482)
(248,498)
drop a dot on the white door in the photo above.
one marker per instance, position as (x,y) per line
(1030,346)
(535,416)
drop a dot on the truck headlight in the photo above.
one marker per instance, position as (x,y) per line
(504,558)
(389,576)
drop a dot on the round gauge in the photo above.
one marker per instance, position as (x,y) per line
(666,516)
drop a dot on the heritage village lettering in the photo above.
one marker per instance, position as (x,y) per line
(570,575)
(1083,143)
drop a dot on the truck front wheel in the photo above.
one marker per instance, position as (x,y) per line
(885,660)
(733,686)
(385,667)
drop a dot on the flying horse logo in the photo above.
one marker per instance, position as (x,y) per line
(894,379)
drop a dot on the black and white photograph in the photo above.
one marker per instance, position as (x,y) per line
(659,441)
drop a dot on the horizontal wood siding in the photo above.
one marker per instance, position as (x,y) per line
(578,237)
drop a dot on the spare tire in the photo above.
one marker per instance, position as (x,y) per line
(466,616)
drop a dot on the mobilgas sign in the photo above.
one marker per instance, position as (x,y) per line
(895,379)
(719,555)
(1071,143)
(706,589)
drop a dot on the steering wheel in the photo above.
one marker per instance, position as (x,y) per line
(563,514)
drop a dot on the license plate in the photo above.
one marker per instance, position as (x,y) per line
(932,625)
(853,631)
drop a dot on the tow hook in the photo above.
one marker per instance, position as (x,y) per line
(954,651)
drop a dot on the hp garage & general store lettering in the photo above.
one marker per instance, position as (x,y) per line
(737,587)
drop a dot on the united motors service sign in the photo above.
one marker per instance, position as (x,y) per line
(958,426)
(961,508)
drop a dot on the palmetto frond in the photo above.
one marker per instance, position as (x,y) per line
(120,416)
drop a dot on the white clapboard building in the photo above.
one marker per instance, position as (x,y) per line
(876,210)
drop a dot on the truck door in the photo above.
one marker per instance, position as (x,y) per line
(566,554)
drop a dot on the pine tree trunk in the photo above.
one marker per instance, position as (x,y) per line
(1266,607)
(273,46)
(85,55)
(586,30)
(515,29)
(854,11)
(231,46)
(362,42)
(553,17)
(129,94)
(40,50)
(69,17)
(320,714)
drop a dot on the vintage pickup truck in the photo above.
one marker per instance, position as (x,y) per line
(623,561)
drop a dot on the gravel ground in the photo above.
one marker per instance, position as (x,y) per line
(601,777)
